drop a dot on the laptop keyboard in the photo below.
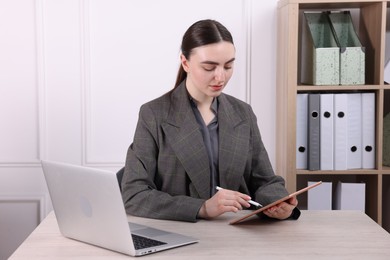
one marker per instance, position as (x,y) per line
(144,242)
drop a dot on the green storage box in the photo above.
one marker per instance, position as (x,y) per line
(320,52)
(352,53)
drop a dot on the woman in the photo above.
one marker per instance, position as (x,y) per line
(195,138)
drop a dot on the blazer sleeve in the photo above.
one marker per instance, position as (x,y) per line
(140,194)
(264,185)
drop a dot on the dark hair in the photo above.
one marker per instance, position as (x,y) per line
(201,33)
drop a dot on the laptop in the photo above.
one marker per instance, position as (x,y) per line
(89,208)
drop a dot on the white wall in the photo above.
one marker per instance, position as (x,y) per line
(73,74)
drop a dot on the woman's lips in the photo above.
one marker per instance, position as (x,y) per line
(217,87)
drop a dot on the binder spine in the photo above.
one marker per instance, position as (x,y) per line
(354,148)
(314,132)
(327,132)
(368,130)
(301,134)
(340,131)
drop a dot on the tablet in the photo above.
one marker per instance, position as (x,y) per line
(240,219)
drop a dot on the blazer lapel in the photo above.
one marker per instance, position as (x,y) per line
(234,141)
(183,133)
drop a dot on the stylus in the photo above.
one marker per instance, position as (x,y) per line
(254,203)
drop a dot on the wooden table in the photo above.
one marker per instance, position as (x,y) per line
(316,235)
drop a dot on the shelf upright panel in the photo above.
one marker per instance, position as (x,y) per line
(370,16)
(286,92)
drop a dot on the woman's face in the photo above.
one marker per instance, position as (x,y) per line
(209,68)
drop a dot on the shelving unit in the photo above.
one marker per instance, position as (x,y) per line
(369,18)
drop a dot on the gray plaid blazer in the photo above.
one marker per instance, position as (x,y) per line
(167,173)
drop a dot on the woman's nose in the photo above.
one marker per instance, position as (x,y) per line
(220,74)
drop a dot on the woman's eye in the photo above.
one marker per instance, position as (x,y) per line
(208,68)
(228,68)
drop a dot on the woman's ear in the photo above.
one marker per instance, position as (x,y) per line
(184,62)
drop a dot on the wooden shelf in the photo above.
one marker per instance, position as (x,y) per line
(371,21)
(307,88)
(348,172)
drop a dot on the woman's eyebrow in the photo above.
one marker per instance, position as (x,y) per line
(216,63)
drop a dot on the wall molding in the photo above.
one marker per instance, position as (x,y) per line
(40,200)
(248,31)
(86,91)
(87,87)
(41,79)
(38,13)
(20,165)
(85,77)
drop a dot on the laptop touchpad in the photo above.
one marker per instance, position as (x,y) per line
(151,232)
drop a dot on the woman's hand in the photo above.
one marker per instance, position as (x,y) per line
(283,210)
(224,201)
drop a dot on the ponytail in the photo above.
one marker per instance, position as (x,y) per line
(181,75)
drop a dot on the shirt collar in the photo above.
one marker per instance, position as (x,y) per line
(213,107)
